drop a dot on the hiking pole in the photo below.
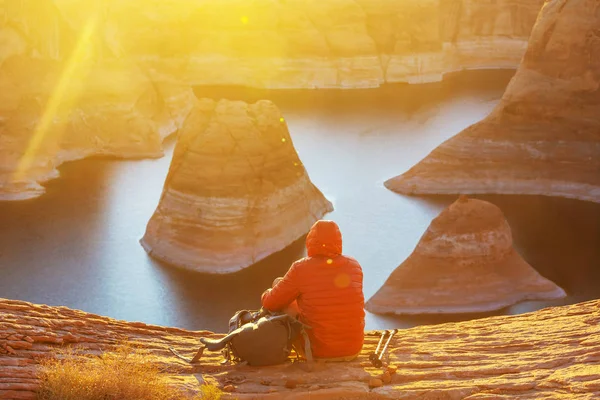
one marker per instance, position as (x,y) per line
(373,356)
(377,362)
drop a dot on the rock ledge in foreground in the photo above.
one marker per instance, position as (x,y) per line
(551,353)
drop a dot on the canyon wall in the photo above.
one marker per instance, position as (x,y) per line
(548,354)
(236,191)
(287,44)
(83,78)
(322,44)
(544,136)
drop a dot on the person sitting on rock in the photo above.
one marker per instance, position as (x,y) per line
(325,290)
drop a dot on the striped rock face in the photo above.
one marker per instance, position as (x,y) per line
(464,263)
(544,136)
(236,191)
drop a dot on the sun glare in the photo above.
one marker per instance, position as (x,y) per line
(75,67)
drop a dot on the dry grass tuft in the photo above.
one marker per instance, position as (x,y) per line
(125,374)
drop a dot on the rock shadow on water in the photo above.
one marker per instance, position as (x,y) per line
(207,301)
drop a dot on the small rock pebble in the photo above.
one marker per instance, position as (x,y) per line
(291,384)
(375,383)
(386,377)
(229,388)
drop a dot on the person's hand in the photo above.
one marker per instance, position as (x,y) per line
(265,292)
(276,281)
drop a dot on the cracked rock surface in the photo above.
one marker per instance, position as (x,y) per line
(236,191)
(544,136)
(465,262)
(548,354)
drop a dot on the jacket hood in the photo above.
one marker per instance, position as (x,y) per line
(324,239)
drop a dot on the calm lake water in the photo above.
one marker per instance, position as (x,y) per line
(78,244)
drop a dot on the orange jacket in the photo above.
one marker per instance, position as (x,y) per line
(328,288)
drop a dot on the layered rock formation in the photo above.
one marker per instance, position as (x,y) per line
(544,136)
(236,191)
(552,353)
(465,262)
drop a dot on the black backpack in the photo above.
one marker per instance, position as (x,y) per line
(260,338)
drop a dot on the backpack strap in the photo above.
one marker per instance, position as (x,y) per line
(306,340)
(307,348)
(240,318)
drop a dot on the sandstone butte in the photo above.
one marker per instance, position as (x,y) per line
(553,353)
(465,262)
(544,136)
(236,190)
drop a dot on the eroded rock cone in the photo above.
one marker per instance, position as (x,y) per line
(465,262)
(544,136)
(236,191)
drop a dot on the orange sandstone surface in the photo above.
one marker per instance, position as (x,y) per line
(553,353)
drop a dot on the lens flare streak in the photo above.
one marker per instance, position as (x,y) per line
(75,67)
